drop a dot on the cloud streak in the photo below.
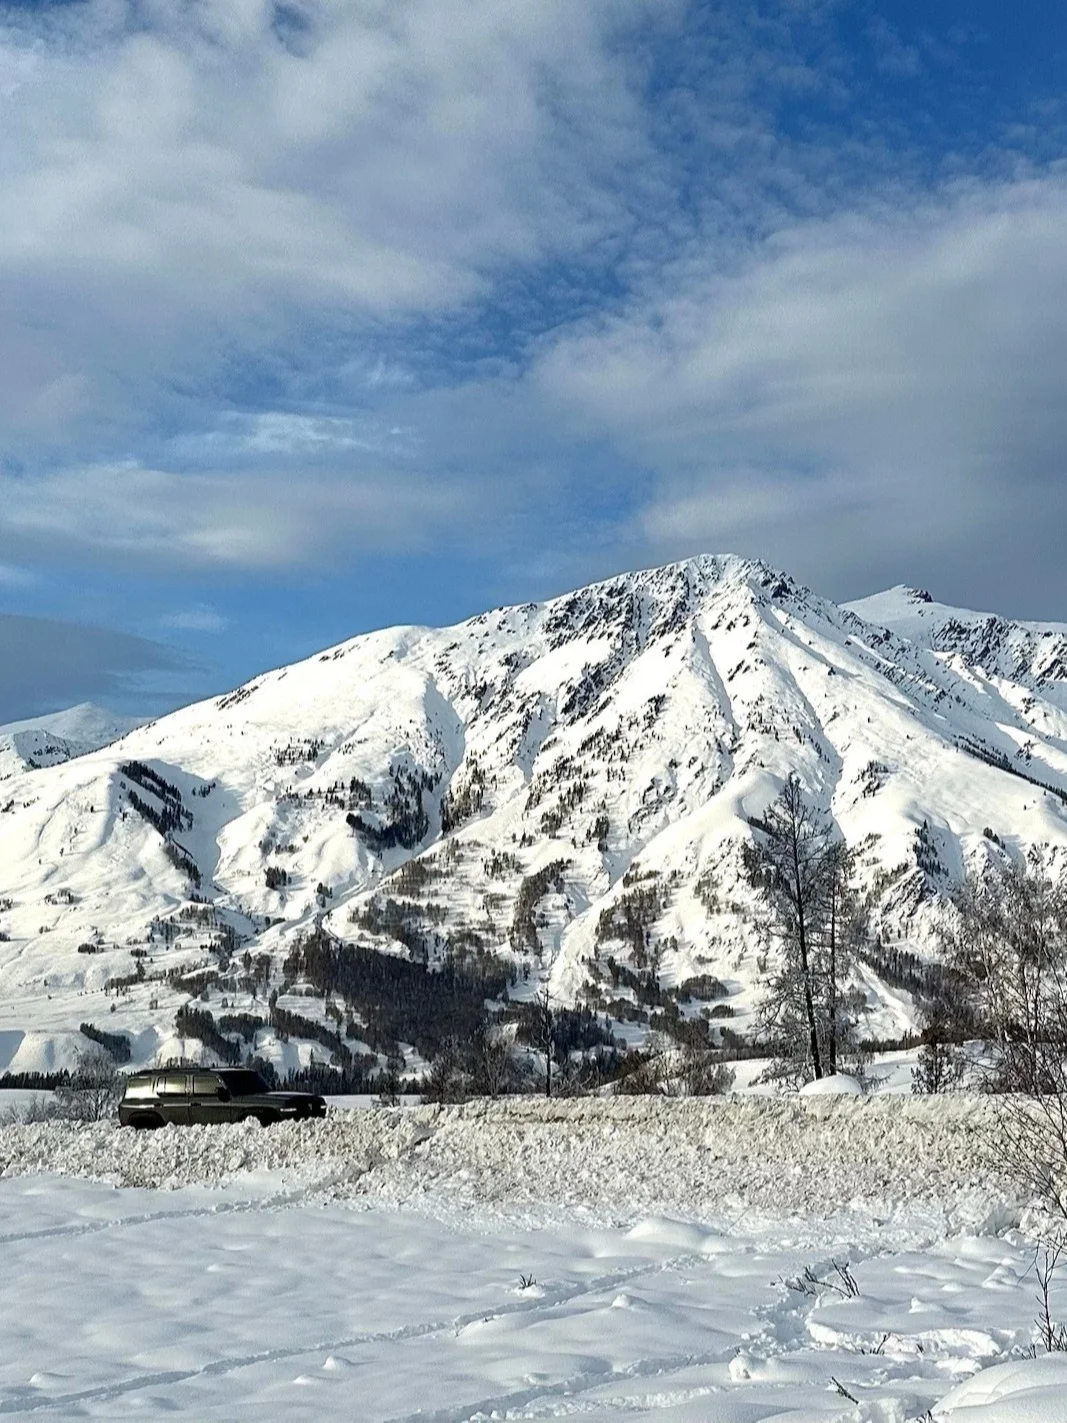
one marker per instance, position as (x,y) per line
(198,619)
(224,520)
(46,665)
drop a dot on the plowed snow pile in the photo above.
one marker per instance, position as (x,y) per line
(627,1155)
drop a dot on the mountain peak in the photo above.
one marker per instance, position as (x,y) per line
(695,578)
(59,736)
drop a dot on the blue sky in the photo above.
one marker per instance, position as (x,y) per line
(323,316)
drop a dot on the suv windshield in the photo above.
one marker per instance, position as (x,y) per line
(243,1082)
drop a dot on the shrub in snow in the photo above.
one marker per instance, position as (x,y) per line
(690,1072)
(1008,951)
(36,1108)
(1047,1258)
(481,1067)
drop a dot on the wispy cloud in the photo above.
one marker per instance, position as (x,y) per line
(200,618)
(224,520)
(12,576)
(270,433)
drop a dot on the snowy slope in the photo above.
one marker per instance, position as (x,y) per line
(573,778)
(1019,654)
(60,736)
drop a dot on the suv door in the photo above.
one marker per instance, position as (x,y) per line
(210,1101)
(172,1090)
(139,1101)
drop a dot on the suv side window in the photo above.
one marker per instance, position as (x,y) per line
(205,1086)
(139,1088)
(172,1086)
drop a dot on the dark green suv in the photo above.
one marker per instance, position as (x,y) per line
(204,1095)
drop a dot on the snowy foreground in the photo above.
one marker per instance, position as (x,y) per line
(599,1260)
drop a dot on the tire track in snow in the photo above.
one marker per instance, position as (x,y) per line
(552,1299)
(280,1201)
(504,1404)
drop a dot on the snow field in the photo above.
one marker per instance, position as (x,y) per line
(236,1303)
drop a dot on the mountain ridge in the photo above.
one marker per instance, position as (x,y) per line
(46,740)
(560,788)
(1025,650)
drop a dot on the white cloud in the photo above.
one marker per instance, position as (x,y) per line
(209,210)
(884,386)
(861,400)
(11,576)
(276,432)
(229,520)
(177,181)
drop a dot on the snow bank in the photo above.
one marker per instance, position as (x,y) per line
(623,1157)
(1024,1391)
(839,1085)
(343,1146)
(808,1156)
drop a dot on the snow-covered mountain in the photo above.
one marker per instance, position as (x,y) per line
(1015,653)
(59,736)
(565,786)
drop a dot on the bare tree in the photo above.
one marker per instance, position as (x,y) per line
(92,1091)
(788,864)
(543,1032)
(842,927)
(493,1067)
(804,873)
(1008,949)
